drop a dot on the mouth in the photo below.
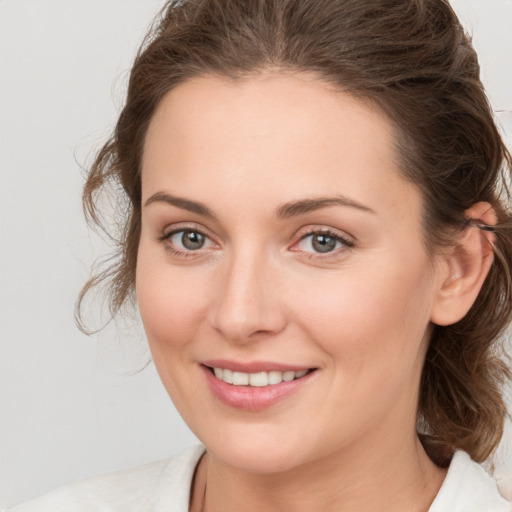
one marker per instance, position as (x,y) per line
(271,377)
(261,386)
(257,379)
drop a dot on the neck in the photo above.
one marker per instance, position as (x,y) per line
(399,478)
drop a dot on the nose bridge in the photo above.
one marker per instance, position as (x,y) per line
(247,302)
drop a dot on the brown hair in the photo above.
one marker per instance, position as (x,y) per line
(412,59)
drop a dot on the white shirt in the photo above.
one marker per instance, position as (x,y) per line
(164,486)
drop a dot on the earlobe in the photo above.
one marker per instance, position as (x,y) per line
(465,266)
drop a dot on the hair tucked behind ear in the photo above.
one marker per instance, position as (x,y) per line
(408,58)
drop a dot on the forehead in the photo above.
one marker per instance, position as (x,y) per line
(248,111)
(278,134)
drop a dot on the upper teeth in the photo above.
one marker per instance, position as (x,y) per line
(256,379)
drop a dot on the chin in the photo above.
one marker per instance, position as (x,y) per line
(254,461)
(262,452)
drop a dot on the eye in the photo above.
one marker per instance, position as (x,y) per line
(323,242)
(185,241)
(189,240)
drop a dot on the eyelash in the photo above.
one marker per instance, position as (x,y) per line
(348,244)
(345,242)
(177,252)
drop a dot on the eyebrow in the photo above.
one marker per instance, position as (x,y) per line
(284,211)
(287,210)
(181,202)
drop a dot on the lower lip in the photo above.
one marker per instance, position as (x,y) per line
(253,398)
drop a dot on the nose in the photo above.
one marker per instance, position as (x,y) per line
(247,305)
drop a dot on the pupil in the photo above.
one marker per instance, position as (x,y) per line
(192,240)
(323,243)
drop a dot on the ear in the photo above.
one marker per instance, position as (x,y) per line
(465,266)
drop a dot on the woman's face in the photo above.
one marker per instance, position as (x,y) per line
(278,240)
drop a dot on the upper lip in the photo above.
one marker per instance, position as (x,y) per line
(253,366)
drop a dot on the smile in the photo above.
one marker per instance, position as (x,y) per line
(259,379)
(257,388)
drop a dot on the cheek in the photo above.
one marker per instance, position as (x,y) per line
(370,318)
(171,305)
(371,326)
(170,301)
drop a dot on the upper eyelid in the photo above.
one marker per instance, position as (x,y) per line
(329,230)
(325,232)
(171,229)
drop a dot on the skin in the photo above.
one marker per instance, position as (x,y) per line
(258,291)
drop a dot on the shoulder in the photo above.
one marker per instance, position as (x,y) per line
(134,490)
(468,486)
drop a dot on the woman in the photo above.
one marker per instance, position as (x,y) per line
(318,240)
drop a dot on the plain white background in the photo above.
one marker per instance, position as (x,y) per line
(72,406)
